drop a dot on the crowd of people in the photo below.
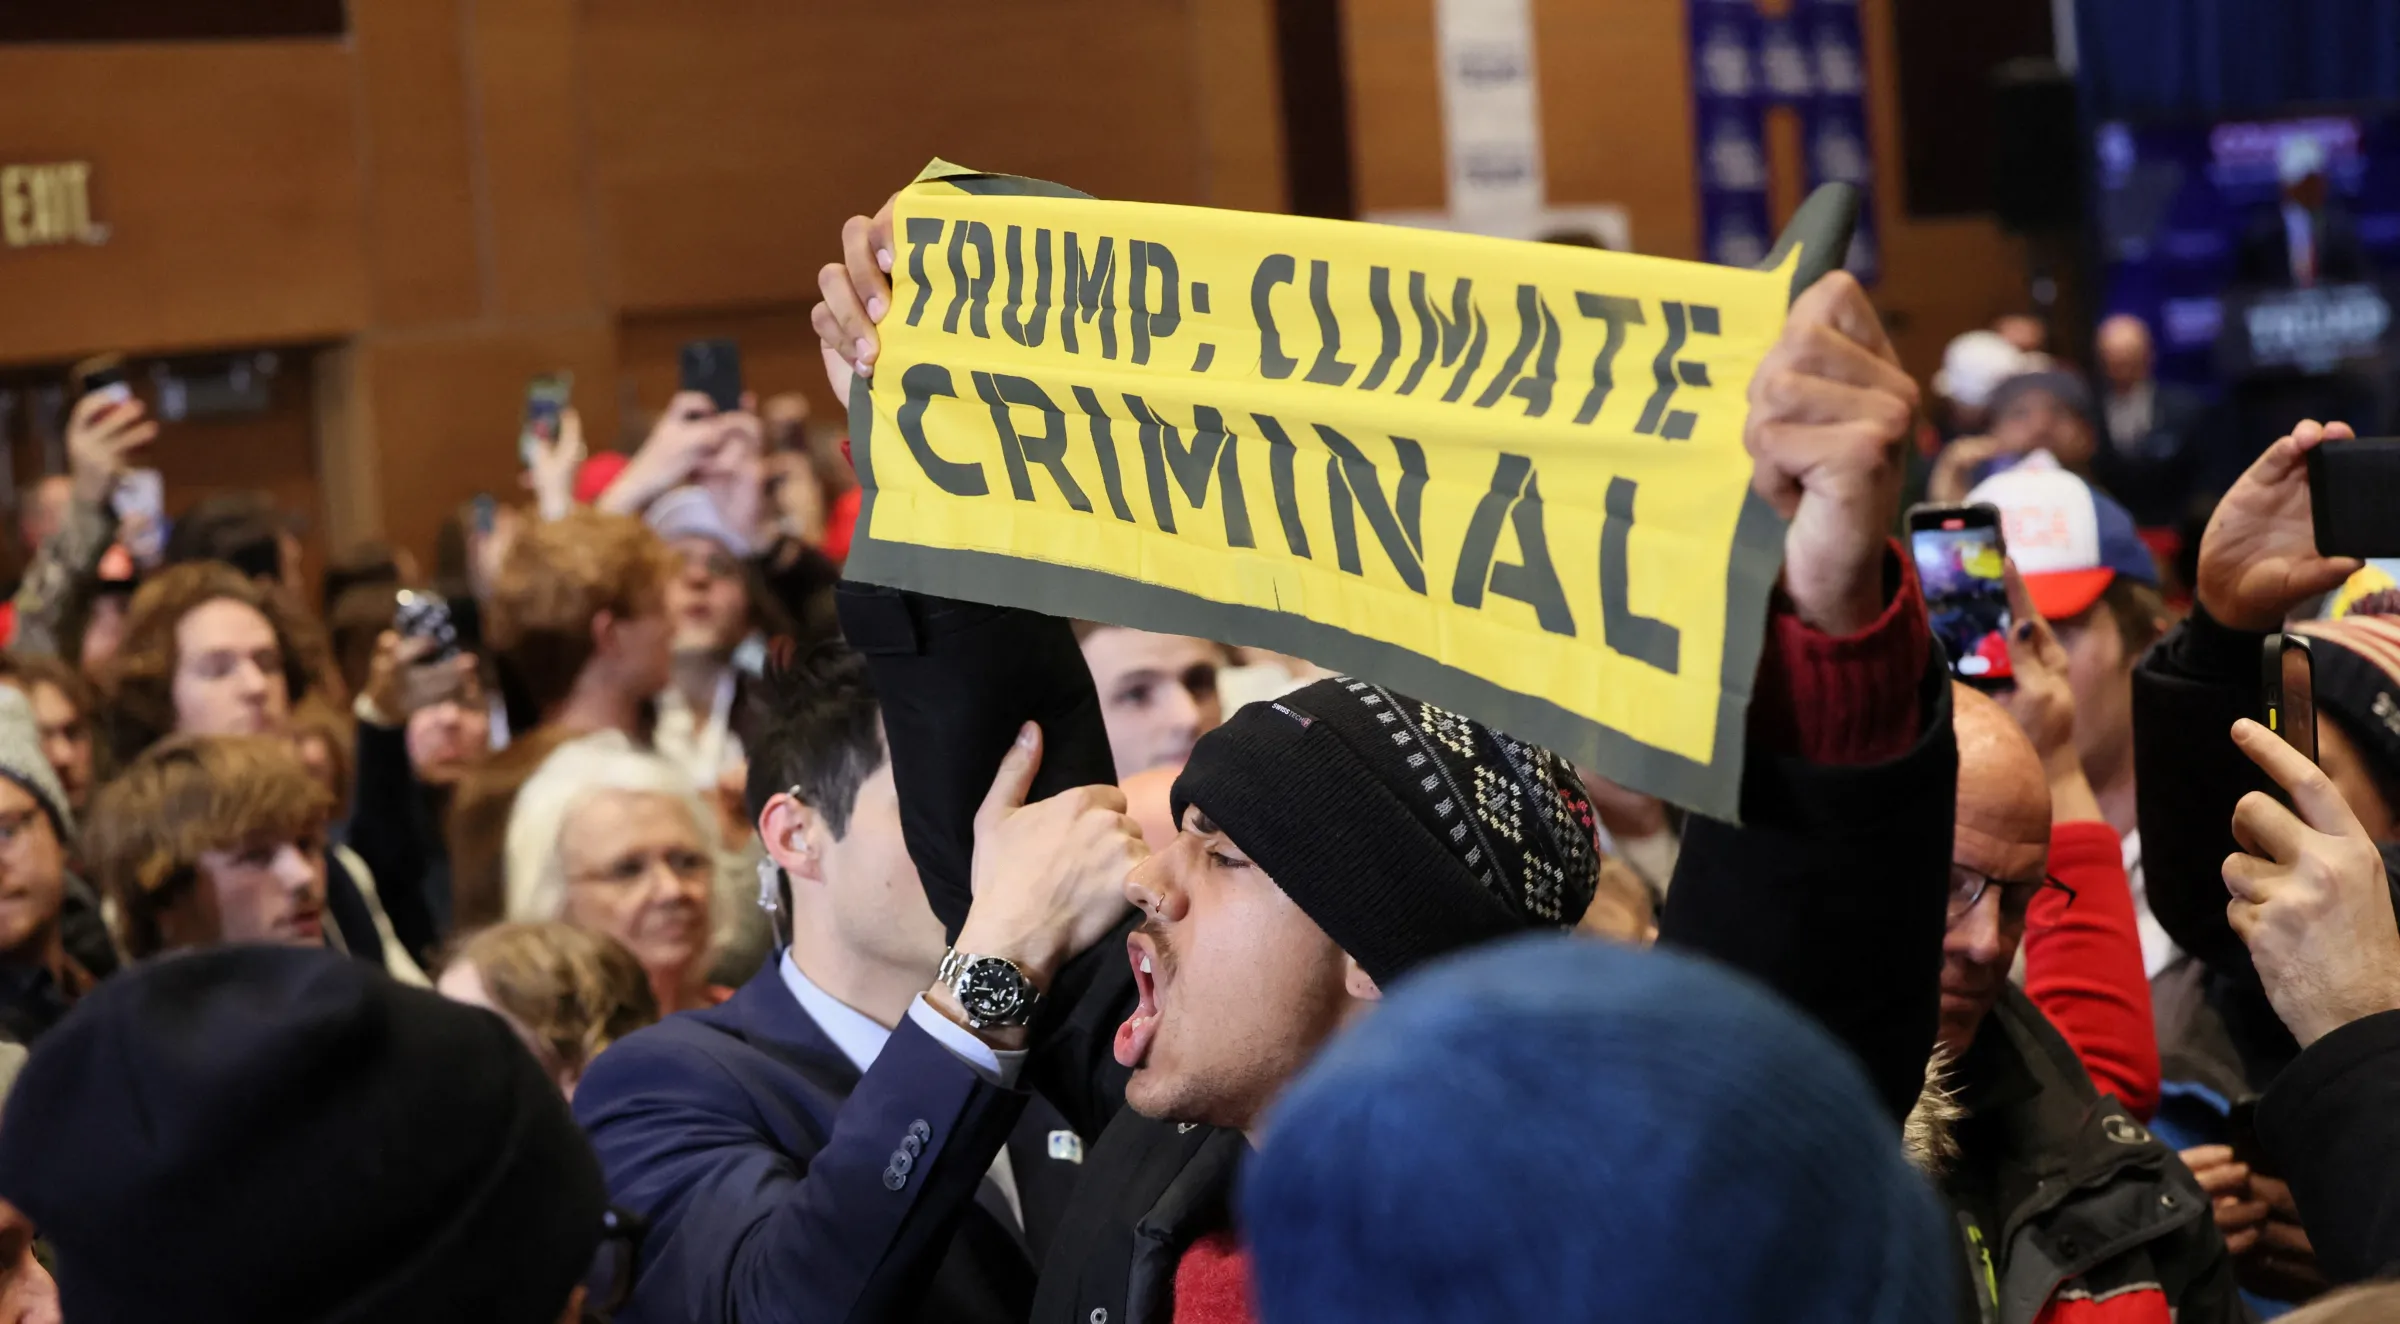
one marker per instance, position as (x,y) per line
(635,920)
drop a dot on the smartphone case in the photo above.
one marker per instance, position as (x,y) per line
(2354,492)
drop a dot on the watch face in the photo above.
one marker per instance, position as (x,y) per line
(992,991)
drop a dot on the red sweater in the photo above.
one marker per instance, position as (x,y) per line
(1826,699)
(2083,965)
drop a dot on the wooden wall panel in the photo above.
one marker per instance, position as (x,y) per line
(1241,106)
(728,152)
(228,176)
(1396,154)
(424,247)
(1617,114)
(528,121)
(1617,127)
(440,414)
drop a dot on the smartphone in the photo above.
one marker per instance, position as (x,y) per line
(2354,496)
(714,369)
(2288,682)
(140,500)
(2241,1135)
(545,396)
(102,374)
(486,509)
(1962,567)
(427,616)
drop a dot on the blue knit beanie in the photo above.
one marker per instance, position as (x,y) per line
(1552,1128)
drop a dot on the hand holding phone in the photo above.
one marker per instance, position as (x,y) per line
(413,669)
(714,369)
(106,426)
(427,616)
(2311,898)
(546,397)
(2260,557)
(1962,566)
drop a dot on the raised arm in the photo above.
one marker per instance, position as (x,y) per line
(102,434)
(957,680)
(2083,948)
(1831,891)
(2258,560)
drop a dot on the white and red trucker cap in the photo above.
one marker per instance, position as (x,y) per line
(2069,540)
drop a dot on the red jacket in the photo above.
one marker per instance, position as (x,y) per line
(2083,965)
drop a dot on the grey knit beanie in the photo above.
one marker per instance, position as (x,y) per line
(21,760)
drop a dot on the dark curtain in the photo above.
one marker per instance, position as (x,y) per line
(2209,57)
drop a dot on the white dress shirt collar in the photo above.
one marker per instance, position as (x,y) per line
(851,1030)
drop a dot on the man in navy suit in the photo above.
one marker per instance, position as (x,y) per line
(828,1145)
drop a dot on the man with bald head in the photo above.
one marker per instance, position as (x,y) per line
(2071,1213)
(2152,459)
(1999,857)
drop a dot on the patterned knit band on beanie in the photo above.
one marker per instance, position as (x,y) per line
(245,1134)
(1554,1128)
(1406,831)
(2357,661)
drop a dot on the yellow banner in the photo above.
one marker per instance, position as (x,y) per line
(1501,476)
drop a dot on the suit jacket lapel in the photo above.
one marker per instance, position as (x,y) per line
(771,1020)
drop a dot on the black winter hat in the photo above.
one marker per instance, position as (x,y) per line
(2358,681)
(1406,831)
(277,1135)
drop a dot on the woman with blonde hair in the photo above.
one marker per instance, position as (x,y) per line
(616,840)
(568,992)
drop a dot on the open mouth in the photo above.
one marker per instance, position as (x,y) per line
(1134,1036)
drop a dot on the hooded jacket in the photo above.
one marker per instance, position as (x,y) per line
(2069,1210)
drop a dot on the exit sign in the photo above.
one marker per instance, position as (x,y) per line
(44,205)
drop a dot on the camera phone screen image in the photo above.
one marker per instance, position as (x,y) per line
(1966,594)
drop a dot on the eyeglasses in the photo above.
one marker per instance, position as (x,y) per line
(688,865)
(609,1285)
(1967,887)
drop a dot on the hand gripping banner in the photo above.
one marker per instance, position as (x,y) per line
(1505,477)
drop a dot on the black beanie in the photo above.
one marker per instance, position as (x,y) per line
(279,1135)
(1404,830)
(2358,682)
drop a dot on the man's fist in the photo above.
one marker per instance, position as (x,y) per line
(1830,410)
(1049,877)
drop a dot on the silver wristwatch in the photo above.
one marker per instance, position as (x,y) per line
(991,990)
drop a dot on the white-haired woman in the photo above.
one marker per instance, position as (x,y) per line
(614,839)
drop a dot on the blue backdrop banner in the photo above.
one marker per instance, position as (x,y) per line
(1810,59)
